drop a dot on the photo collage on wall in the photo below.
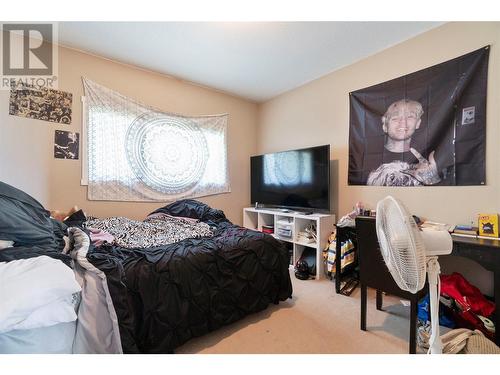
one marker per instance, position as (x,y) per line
(425,128)
(40,103)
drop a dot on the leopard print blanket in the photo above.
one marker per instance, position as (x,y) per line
(152,232)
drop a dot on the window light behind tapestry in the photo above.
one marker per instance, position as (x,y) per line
(137,153)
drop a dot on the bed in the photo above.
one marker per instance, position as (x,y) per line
(154,299)
(165,295)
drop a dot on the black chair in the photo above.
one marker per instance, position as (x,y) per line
(373,273)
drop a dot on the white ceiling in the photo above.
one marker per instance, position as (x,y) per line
(255,60)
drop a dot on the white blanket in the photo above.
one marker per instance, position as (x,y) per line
(36,292)
(36,297)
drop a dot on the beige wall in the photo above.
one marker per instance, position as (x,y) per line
(26,146)
(318,113)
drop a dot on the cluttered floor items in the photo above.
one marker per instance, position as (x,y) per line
(341,241)
(465,310)
(462,305)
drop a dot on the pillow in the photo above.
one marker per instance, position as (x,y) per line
(194,209)
(24,220)
(27,285)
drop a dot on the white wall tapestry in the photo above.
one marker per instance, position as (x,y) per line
(138,153)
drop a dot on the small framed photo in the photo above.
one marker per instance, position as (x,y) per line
(468,115)
(66,145)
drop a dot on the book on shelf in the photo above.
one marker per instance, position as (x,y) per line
(464,227)
(437,226)
(472,232)
(488,225)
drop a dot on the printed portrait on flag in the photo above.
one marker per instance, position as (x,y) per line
(423,129)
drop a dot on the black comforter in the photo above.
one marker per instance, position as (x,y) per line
(24,221)
(166,295)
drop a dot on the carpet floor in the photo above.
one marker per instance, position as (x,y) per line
(315,320)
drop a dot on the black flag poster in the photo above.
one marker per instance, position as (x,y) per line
(425,128)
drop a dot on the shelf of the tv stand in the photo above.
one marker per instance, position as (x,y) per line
(255,218)
(290,213)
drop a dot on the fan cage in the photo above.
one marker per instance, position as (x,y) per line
(401,244)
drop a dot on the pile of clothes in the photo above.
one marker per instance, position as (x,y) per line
(157,229)
(462,305)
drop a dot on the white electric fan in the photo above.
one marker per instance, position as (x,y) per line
(408,252)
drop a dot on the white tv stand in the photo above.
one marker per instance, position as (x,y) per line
(255,218)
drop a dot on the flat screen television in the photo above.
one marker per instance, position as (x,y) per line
(296,179)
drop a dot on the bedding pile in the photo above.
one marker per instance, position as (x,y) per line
(52,299)
(26,224)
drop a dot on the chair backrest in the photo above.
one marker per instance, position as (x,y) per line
(372,269)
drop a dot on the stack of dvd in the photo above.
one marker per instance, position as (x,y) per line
(466,229)
(269,229)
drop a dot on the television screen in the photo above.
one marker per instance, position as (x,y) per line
(292,179)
